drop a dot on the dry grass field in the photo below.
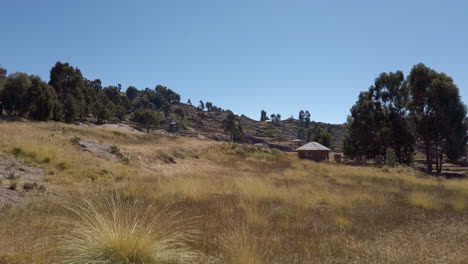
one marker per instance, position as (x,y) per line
(180,200)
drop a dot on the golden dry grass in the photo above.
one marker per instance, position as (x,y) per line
(251,205)
(120,231)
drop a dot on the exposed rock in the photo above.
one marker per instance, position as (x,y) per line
(123,127)
(202,137)
(253,140)
(10,196)
(99,149)
(12,170)
(10,167)
(220,137)
(166,158)
(280,147)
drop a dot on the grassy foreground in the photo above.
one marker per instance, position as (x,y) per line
(180,200)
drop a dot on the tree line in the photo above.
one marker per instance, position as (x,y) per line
(422,111)
(68,96)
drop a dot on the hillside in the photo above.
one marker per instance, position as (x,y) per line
(210,125)
(78,194)
(70,97)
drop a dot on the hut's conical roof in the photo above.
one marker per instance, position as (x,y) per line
(313,146)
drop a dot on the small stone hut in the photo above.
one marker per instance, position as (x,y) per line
(313,151)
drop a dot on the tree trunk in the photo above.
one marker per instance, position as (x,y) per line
(399,155)
(428,158)
(441,157)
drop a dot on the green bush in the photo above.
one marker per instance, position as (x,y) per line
(390,157)
(17,151)
(114,150)
(75,140)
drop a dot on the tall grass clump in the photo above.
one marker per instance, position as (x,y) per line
(240,247)
(254,215)
(424,200)
(119,231)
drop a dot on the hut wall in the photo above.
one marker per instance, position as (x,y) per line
(316,155)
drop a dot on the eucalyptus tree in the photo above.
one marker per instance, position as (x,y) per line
(439,115)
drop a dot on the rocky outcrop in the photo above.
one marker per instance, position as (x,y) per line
(101,150)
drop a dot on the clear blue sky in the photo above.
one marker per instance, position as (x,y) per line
(243,55)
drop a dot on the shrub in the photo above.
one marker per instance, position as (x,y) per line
(178,154)
(27,186)
(62,166)
(41,188)
(75,140)
(125,160)
(114,150)
(390,157)
(17,151)
(13,185)
(11,176)
(275,151)
(121,231)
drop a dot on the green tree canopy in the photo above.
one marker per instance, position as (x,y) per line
(132,93)
(202,105)
(209,106)
(379,120)
(321,136)
(71,109)
(42,100)
(113,93)
(14,93)
(167,94)
(232,125)
(147,119)
(263,116)
(438,113)
(275,117)
(3,74)
(102,108)
(71,90)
